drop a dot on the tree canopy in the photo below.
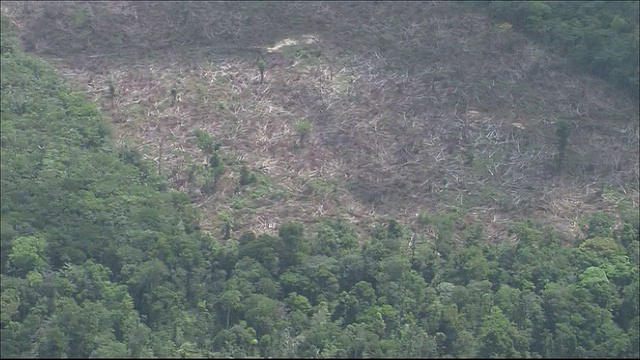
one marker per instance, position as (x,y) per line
(599,36)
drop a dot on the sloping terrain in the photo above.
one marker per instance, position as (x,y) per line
(412,106)
(100,258)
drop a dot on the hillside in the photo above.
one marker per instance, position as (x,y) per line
(130,183)
(412,107)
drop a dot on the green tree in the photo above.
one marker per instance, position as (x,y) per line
(333,237)
(111,92)
(595,36)
(362,342)
(292,247)
(230,301)
(10,301)
(261,67)
(472,265)
(414,342)
(27,254)
(302,128)
(143,279)
(174,97)
(475,302)
(7,234)
(261,249)
(249,276)
(109,348)
(444,240)
(246,176)
(607,254)
(563,130)
(595,280)
(497,336)
(262,313)
(599,225)
(351,269)
(204,141)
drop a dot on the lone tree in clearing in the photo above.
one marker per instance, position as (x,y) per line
(261,67)
(174,97)
(111,91)
(303,127)
(563,130)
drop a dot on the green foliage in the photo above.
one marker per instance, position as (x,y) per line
(594,280)
(27,254)
(563,130)
(303,52)
(599,36)
(79,18)
(203,141)
(111,90)
(423,218)
(261,67)
(445,244)
(600,224)
(262,313)
(8,44)
(213,170)
(247,177)
(262,249)
(174,97)
(291,246)
(497,336)
(473,265)
(606,254)
(10,301)
(333,236)
(226,224)
(303,127)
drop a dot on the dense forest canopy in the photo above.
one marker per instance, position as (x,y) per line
(599,36)
(101,259)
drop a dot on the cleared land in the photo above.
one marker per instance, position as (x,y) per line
(412,106)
